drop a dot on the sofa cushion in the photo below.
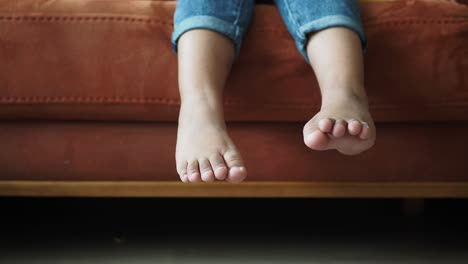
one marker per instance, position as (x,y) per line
(142,151)
(112,60)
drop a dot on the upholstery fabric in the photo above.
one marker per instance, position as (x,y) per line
(105,151)
(112,60)
(88,91)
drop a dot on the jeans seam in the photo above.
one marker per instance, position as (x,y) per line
(342,21)
(236,21)
(291,16)
(222,27)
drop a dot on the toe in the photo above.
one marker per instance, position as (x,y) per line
(354,127)
(206,171)
(182,171)
(326,125)
(185,178)
(339,129)
(365,133)
(219,167)
(237,171)
(193,171)
(317,140)
(237,174)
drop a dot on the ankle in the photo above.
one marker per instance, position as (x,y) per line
(201,95)
(201,103)
(343,96)
(195,108)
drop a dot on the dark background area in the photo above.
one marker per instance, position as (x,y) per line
(54,225)
(115,217)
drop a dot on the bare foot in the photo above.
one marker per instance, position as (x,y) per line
(204,150)
(343,123)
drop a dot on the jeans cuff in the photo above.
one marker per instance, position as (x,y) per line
(207,22)
(328,22)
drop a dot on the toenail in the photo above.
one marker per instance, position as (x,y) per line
(238,168)
(220,168)
(208,176)
(365,124)
(194,177)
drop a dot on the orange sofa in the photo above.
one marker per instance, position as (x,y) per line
(89,104)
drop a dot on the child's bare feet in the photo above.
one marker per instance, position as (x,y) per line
(343,123)
(204,150)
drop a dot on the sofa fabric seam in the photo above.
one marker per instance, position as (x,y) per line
(129,19)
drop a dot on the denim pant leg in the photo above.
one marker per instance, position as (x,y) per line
(230,18)
(303,17)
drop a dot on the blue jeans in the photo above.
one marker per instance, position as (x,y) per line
(231,18)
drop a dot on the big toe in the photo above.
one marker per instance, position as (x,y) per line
(237,174)
(236,169)
(317,140)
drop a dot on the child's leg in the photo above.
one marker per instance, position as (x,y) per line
(207,37)
(344,122)
(330,36)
